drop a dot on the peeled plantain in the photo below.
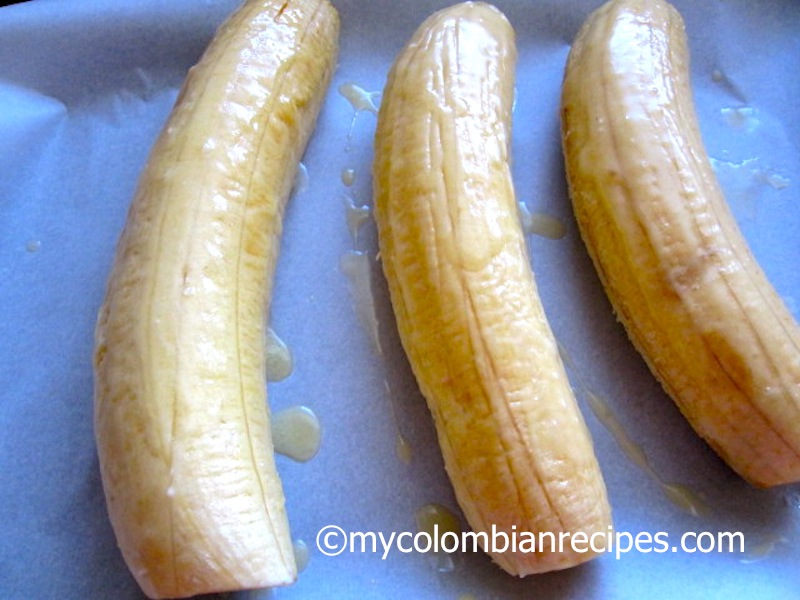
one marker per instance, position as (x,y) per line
(181,420)
(514,443)
(677,269)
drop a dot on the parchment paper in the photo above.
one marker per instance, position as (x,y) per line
(85,86)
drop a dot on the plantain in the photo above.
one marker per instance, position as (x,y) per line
(513,440)
(181,420)
(668,251)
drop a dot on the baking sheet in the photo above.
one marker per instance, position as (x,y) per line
(85,86)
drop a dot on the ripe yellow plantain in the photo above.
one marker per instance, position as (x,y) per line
(514,443)
(181,419)
(668,251)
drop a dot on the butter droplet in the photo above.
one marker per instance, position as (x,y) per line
(403,450)
(300,180)
(685,498)
(744,118)
(433,518)
(359,98)
(444,562)
(680,495)
(437,521)
(606,416)
(33,246)
(278,357)
(541,224)
(296,433)
(348,177)
(792,499)
(301,555)
(763,549)
(357,216)
(776,181)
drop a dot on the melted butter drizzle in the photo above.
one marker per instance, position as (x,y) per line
(679,494)
(296,433)
(361,101)
(356,264)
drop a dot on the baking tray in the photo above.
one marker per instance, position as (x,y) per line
(86,85)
